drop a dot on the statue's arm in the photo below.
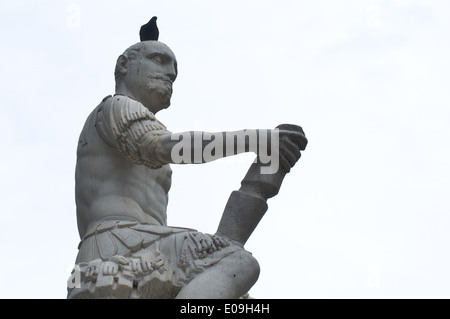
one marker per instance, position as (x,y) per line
(202,147)
(194,147)
(134,131)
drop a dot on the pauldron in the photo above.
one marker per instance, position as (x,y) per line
(131,128)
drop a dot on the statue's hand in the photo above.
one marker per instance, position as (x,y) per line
(292,141)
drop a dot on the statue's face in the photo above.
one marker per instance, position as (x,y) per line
(151,74)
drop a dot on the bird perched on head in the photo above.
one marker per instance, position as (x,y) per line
(149,31)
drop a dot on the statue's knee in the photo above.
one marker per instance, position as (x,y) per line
(254,265)
(249,266)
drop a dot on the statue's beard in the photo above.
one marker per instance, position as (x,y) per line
(155,92)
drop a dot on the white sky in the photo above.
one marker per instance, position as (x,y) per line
(364,214)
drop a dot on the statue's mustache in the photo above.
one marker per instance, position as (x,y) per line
(159,76)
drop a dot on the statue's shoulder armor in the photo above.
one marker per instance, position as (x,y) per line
(126,111)
(125,124)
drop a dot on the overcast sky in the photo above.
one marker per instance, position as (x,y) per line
(364,214)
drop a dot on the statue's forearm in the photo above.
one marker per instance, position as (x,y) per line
(195,147)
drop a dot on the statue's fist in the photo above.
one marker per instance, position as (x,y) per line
(292,141)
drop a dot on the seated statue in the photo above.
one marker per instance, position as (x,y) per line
(123,177)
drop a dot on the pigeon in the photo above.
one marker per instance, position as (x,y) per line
(149,31)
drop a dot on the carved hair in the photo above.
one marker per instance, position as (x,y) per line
(131,53)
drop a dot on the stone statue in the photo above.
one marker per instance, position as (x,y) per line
(123,177)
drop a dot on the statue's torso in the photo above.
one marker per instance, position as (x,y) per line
(108,186)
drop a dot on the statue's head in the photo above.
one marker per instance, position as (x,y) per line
(145,72)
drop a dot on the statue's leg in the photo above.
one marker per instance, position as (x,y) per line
(246,207)
(230,278)
(235,274)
